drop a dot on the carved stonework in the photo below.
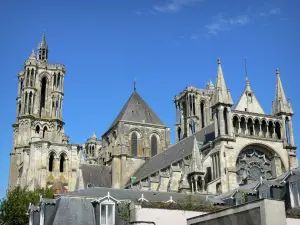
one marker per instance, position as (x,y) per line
(252,165)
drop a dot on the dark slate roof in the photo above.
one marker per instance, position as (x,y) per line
(174,153)
(134,195)
(137,110)
(96,175)
(73,211)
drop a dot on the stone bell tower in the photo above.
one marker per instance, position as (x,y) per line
(38,114)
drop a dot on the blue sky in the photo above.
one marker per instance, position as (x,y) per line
(164,45)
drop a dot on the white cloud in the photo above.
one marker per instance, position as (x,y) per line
(137,12)
(272,12)
(173,6)
(220,23)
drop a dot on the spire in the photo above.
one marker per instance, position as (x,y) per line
(134,85)
(196,161)
(281,105)
(43,49)
(94,135)
(248,88)
(210,85)
(43,43)
(32,55)
(222,94)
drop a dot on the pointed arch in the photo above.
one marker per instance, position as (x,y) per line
(154,145)
(51,161)
(134,144)
(45,132)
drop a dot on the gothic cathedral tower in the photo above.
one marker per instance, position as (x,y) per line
(38,129)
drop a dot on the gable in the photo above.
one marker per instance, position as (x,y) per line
(249,101)
(137,110)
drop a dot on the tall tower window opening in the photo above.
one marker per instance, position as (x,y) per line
(19,110)
(30,103)
(58,81)
(51,162)
(225,112)
(27,77)
(153,145)
(191,105)
(32,78)
(62,163)
(264,128)
(179,134)
(21,87)
(44,132)
(271,129)
(194,108)
(134,144)
(202,114)
(43,95)
(56,109)
(54,80)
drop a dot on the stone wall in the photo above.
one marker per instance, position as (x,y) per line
(262,212)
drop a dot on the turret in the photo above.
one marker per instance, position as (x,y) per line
(282,107)
(221,105)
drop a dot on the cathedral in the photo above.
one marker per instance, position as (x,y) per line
(219,145)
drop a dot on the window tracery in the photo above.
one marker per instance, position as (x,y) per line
(253,164)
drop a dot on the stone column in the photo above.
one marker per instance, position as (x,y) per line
(216,125)
(283,130)
(239,126)
(292,141)
(222,122)
(217,165)
(176,106)
(196,185)
(267,134)
(229,122)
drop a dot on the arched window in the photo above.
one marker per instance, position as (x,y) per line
(43,94)
(134,144)
(287,130)
(51,162)
(32,78)
(44,131)
(62,163)
(153,145)
(37,129)
(202,114)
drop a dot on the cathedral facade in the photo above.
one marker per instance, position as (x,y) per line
(219,145)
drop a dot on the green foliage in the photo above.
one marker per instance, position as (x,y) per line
(124,212)
(14,208)
(187,204)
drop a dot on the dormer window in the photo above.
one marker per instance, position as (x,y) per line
(107,213)
(107,208)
